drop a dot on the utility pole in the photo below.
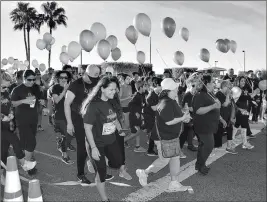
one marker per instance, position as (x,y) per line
(150,51)
(81,57)
(244,60)
(216,63)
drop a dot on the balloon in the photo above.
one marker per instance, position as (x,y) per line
(48,47)
(99,31)
(233,46)
(42,67)
(116,54)
(74,49)
(10,60)
(228,44)
(10,71)
(4,61)
(35,63)
(263,85)
(103,49)
(20,62)
(64,49)
(184,33)
(22,67)
(87,40)
(131,34)
(113,41)
(141,57)
(26,63)
(142,23)
(40,44)
(178,58)
(71,59)
(204,55)
(168,26)
(221,46)
(52,41)
(47,38)
(64,58)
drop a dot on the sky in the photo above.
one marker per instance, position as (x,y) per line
(207,21)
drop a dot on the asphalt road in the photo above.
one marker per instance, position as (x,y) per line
(239,177)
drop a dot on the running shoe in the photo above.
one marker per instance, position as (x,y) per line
(82,179)
(152,153)
(231,151)
(67,160)
(71,148)
(139,149)
(28,165)
(32,171)
(109,177)
(142,177)
(125,175)
(176,186)
(247,145)
(182,155)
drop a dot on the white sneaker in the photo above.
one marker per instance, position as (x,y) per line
(247,145)
(142,177)
(139,149)
(28,165)
(176,186)
(182,155)
(90,167)
(125,175)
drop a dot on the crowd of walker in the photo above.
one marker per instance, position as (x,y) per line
(104,111)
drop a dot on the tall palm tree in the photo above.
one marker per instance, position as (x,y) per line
(53,16)
(26,18)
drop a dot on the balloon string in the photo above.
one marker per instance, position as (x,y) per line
(135,48)
(162,58)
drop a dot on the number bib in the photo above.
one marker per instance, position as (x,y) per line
(109,128)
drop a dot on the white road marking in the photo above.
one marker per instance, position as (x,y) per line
(49,155)
(159,186)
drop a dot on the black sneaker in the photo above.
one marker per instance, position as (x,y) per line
(251,137)
(71,148)
(109,177)
(192,148)
(32,171)
(152,153)
(67,160)
(82,179)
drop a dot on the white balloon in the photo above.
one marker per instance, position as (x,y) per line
(22,67)
(42,67)
(47,38)
(4,61)
(64,49)
(53,41)
(10,60)
(64,58)
(40,44)
(141,57)
(99,31)
(74,49)
(26,63)
(35,63)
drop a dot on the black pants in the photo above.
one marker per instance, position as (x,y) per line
(9,138)
(27,132)
(219,135)
(113,154)
(66,138)
(187,135)
(120,140)
(77,121)
(256,112)
(205,147)
(242,120)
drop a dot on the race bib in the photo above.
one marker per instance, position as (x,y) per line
(109,128)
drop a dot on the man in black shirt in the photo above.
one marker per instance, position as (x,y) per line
(77,92)
(136,77)
(230,76)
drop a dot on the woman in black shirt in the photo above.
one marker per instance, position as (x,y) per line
(206,110)
(100,123)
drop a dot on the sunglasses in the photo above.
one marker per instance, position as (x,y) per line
(31,80)
(62,77)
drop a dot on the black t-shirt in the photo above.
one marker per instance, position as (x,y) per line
(187,99)
(152,99)
(102,116)
(167,110)
(80,89)
(205,123)
(59,107)
(133,86)
(5,108)
(224,111)
(136,104)
(24,113)
(232,79)
(244,101)
(14,85)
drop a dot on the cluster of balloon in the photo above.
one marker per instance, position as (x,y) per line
(99,31)
(184,33)
(204,55)
(168,26)
(224,45)
(46,42)
(115,51)
(178,58)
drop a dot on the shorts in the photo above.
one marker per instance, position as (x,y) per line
(27,132)
(114,156)
(134,121)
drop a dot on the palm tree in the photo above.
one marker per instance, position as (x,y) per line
(53,16)
(26,18)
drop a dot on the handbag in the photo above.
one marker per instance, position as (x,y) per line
(169,148)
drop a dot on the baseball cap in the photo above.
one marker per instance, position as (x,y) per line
(110,70)
(169,84)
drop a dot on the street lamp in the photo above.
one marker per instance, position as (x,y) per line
(244,60)
(216,63)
